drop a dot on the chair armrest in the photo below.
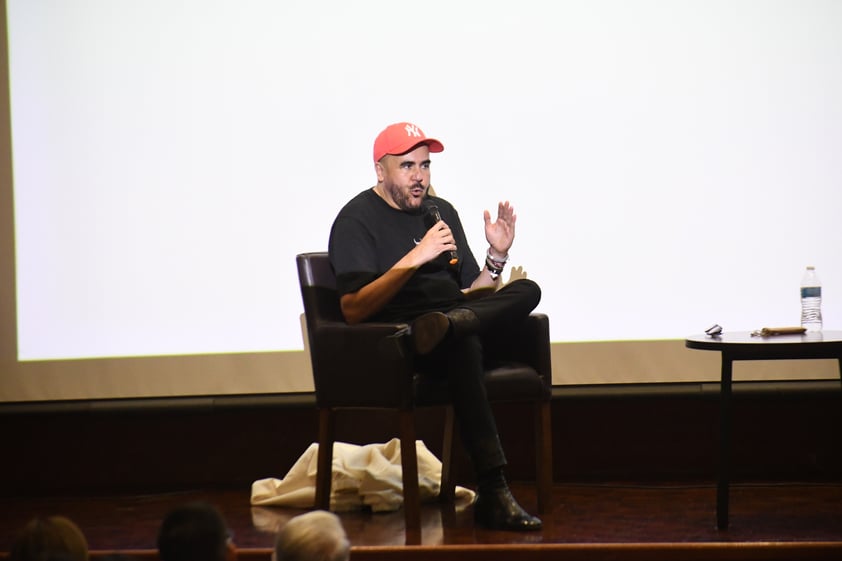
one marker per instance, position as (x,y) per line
(349,360)
(530,344)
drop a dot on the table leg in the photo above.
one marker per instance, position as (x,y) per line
(724,444)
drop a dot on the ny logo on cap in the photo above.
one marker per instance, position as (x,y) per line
(412,130)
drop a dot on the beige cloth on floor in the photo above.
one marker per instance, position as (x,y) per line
(368,475)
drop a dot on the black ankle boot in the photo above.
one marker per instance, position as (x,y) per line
(463,322)
(497,509)
(430,329)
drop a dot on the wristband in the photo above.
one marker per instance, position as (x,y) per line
(494,267)
(493,259)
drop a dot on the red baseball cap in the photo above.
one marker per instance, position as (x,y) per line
(400,138)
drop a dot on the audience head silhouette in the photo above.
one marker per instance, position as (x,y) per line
(313,536)
(195,532)
(50,539)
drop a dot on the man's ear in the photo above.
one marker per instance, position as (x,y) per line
(378,169)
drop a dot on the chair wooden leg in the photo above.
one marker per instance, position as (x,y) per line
(544,455)
(409,465)
(324,466)
(447,488)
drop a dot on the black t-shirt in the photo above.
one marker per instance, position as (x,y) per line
(368,237)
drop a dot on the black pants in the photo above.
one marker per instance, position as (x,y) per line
(461,362)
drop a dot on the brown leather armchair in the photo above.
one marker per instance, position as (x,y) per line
(349,371)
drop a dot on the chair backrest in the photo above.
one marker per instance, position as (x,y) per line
(318,288)
(347,369)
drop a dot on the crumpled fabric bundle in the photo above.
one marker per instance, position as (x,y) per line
(362,476)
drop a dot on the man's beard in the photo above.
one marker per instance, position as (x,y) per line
(403,198)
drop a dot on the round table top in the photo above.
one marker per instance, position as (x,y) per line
(735,339)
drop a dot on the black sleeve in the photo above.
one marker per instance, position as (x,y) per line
(352,255)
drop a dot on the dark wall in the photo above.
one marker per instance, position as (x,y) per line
(789,432)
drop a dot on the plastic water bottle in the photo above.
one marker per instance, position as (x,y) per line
(811,300)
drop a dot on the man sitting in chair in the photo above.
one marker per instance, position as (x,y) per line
(401,255)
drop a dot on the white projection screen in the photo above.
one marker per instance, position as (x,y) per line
(673,164)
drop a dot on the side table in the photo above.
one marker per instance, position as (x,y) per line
(745,346)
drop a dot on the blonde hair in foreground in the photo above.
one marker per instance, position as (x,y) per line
(56,538)
(313,536)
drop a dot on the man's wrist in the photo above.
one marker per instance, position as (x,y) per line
(494,264)
(495,256)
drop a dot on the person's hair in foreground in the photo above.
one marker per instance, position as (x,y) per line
(195,532)
(55,538)
(313,536)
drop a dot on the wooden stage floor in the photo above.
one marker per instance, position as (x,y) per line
(587,521)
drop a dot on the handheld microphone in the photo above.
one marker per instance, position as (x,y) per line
(434,218)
